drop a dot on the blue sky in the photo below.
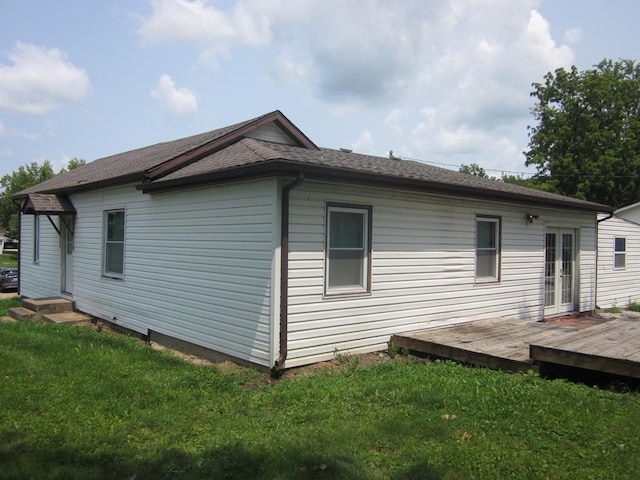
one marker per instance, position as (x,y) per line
(445,82)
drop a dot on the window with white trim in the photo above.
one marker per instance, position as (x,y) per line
(36,239)
(487,249)
(347,249)
(619,252)
(113,247)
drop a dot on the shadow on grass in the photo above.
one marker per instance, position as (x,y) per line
(19,458)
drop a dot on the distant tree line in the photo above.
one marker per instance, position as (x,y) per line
(586,143)
(26,176)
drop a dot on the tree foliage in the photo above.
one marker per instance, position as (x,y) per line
(586,143)
(473,169)
(26,176)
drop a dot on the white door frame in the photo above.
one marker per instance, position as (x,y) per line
(66,253)
(560,273)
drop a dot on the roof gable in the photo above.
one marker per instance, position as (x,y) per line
(629,212)
(256,128)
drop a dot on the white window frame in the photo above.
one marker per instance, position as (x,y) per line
(619,253)
(497,225)
(36,239)
(106,242)
(365,285)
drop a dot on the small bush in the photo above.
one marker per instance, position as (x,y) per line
(634,306)
(614,309)
(393,350)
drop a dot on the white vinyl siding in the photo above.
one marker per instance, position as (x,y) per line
(422,268)
(198,265)
(271,133)
(618,286)
(41,279)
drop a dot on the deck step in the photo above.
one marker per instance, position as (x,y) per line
(48,305)
(7,320)
(66,317)
(22,313)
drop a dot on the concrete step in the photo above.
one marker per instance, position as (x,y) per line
(7,320)
(22,313)
(48,305)
(66,317)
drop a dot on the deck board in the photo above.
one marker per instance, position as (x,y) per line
(520,345)
(613,347)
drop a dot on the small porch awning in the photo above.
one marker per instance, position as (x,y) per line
(47,204)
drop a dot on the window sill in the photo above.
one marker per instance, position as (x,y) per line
(486,281)
(111,277)
(347,293)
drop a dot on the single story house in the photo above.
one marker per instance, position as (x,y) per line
(253,242)
(619,257)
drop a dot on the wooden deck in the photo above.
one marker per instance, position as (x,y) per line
(612,347)
(518,345)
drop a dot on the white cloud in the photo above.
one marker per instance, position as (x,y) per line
(213,30)
(185,21)
(393,120)
(12,132)
(573,35)
(364,143)
(40,79)
(176,101)
(285,70)
(470,63)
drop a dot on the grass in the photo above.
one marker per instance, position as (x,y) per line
(9,259)
(634,306)
(78,404)
(7,303)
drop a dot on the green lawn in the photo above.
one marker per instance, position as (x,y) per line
(9,259)
(78,404)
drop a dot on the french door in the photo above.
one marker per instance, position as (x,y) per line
(559,271)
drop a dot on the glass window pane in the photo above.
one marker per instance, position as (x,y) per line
(346,268)
(620,260)
(487,234)
(346,230)
(115,226)
(620,244)
(486,264)
(114,257)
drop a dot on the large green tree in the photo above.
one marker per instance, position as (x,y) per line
(586,143)
(26,176)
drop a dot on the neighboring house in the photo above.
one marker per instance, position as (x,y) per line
(619,257)
(253,242)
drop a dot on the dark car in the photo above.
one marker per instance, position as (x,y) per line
(8,278)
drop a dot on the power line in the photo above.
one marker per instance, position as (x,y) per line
(513,172)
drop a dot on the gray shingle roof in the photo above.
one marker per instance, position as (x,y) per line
(248,157)
(48,204)
(351,166)
(127,166)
